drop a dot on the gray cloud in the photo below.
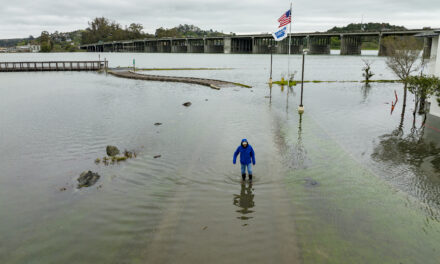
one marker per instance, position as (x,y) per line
(24,17)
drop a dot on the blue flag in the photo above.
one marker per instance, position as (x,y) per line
(280,34)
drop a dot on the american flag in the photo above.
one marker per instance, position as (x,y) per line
(285,19)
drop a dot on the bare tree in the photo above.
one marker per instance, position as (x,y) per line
(403,53)
(367,73)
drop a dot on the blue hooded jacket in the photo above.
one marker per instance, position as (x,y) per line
(247,154)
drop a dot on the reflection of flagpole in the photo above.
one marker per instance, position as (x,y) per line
(290,42)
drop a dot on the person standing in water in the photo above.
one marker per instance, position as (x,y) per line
(247,155)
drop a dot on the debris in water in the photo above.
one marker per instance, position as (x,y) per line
(187,104)
(118,159)
(311,182)
(267,96)
(87,178)
(97,160)
(129,154)
(205,227)
(157,124)
(206,99)
(157,156)
(112,151)
(63,189)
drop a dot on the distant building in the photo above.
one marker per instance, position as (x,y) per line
(28,48)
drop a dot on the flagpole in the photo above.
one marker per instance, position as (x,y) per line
(290,43)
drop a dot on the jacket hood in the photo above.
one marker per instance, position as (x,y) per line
(244,140)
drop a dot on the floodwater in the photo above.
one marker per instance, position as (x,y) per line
(346,182)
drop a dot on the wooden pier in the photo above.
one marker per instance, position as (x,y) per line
(28,66)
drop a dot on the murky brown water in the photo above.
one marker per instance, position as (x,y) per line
(336,185)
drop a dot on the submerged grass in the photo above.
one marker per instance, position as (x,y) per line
(242,85)
(295,82)
(352,215)
(182,69)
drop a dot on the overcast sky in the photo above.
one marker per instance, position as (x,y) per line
(21,18)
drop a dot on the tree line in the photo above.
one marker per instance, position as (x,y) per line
(102,29)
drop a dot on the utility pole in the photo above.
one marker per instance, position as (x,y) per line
(301,106)
(290,43)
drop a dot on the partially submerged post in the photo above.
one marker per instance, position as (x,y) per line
(301,106)
(270,78)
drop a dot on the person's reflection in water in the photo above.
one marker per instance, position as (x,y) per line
(245,201)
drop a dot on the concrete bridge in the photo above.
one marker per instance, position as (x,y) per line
(317,43)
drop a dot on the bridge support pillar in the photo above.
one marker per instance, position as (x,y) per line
(227,45)
(427,43)
(382,49)
(195,46)
(296,46)
(214,46)
(151,46)
(351,45)
(261,45)
(241,45)
(319,45)
(138,46)
(179,46)
(164,46)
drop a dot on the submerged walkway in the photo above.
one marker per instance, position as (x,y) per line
(214,84)
(28,66)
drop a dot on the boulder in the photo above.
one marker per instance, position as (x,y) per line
(87,178)
(112,151)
